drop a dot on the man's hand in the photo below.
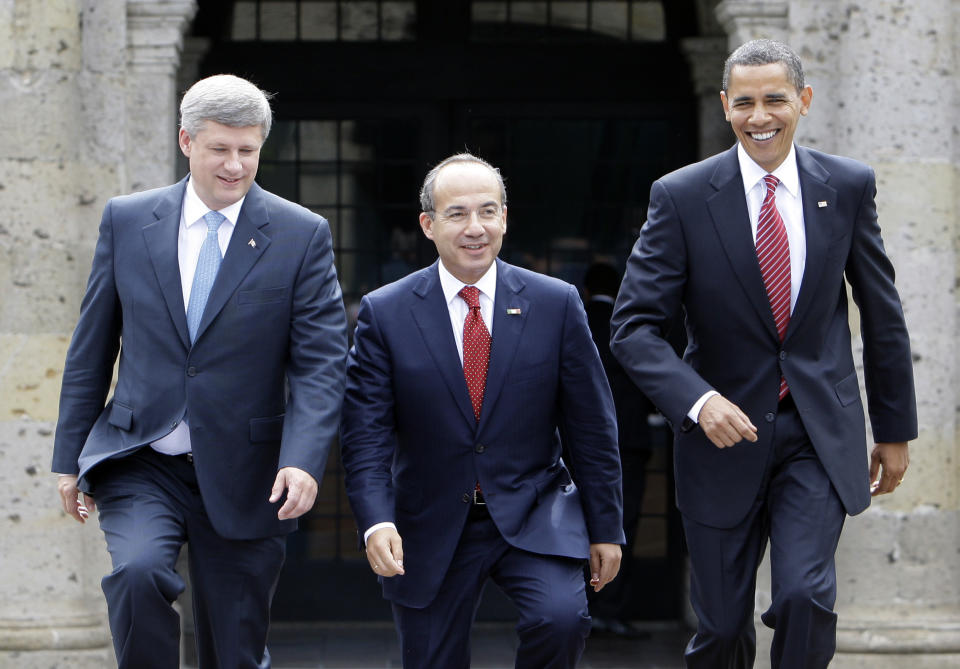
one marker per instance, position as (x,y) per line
(385,552)
(301,492)
(890,461)
(70,498)
(724,423)
(604,564)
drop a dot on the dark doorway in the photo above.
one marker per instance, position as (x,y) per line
(581,105)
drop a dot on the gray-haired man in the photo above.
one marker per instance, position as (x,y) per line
(223,303)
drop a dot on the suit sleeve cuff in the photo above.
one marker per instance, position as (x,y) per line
(694,413)
(374,528)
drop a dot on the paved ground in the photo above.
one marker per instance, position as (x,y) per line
(374,646)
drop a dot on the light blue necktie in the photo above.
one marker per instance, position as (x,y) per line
(207,266)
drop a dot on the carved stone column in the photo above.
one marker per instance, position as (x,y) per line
(706,56)
(745,20)
(155,37)
(87,90)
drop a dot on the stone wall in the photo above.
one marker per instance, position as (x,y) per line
(78,90)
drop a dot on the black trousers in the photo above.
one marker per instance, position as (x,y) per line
(800,515)
(149,506)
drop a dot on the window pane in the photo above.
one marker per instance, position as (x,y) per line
(357,140)
(318,140)
(648,21)
(398,21)
(318,21)
(244,21)
(278,21)
(491,12)
(279,178)
(569,15)
(280,145)
(318,185)
(529,12)
(358,20)
(610,18)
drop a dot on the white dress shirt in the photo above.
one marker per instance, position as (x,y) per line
(193,230)
(790,206)
(457,306)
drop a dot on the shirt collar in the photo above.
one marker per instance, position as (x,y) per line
(786,171)
(487,284)
(194,209)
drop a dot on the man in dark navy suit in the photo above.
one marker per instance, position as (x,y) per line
(223,303)
(757,246)
(460,379)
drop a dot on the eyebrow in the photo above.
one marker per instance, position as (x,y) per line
(768,96)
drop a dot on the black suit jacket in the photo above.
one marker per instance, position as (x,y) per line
(696,252)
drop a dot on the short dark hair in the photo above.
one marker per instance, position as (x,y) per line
(764,52)
(426,192)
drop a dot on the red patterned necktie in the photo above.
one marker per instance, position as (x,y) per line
(476,348)
(773,253)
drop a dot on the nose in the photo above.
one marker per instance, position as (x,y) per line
(759,113)
(233,162)
(474,227)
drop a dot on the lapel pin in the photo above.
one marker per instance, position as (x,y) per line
(822,204)
(513,312)
(252,244)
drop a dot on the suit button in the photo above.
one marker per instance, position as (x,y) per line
(466,498)
(770,417)
(191,371)
(783,355)
(479,448)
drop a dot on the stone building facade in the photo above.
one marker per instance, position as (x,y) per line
(89,88)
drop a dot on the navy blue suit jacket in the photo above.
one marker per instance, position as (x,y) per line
(413,451)
(696,252)
(262,384)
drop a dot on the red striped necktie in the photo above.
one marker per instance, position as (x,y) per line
(773,253)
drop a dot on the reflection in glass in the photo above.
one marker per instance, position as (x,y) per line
(610,18)
(278,21)
(398,21)
(244,25)
(318,21)
(358,21)
(318,140)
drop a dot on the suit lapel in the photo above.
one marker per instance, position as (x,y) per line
(728,209)
(510,315)
(241,254)
(160,237)
(432,316)
(818,224)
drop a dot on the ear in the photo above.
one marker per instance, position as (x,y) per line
(185,142)
(503,221)
(426,224)
(806,97)
(726,105)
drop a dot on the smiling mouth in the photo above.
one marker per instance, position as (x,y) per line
(229,181)
(473,247)
(763,136)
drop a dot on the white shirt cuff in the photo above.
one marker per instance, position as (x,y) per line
(694,413)
(374,528)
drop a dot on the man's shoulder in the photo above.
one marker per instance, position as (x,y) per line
(835,165)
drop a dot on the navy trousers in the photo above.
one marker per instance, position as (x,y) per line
(548,592)
(799,513)
(149,505)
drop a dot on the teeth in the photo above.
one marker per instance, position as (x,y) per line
(760,136)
